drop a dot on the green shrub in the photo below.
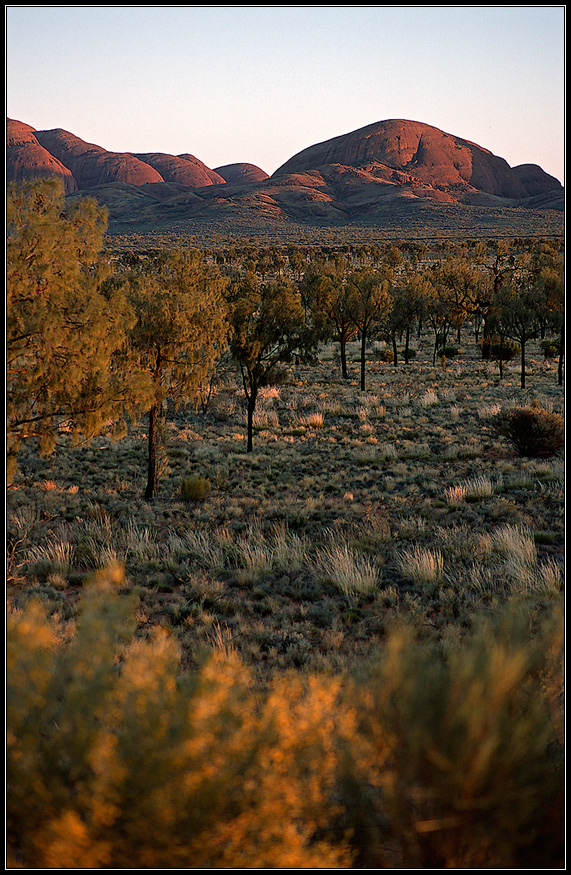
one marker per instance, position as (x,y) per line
(550,348)
(448,351)
(506,350)
(194,488)
(463,756)
(533,431)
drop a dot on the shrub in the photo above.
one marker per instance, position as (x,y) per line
(532,430)
(464,748)
(448,351)
(115,759)
(506,350)
(550,348)
(429,757)
(194,488)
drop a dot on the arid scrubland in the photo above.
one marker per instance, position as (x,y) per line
(353,509)
(365,526)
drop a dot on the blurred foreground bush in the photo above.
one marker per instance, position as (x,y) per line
(430,758)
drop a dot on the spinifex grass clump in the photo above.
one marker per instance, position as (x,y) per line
(422,566)
(532,430)
(353,574)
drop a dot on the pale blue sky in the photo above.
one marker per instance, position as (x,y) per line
(260,83)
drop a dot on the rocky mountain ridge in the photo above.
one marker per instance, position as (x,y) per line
(363,177)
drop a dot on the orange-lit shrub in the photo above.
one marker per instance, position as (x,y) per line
(117,760)
(432,757)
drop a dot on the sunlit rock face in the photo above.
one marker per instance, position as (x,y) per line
(93,165)
(424,152)
(241,172)
(395,173)
(184,169)
(26,158)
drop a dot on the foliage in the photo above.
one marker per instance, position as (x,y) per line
(459,746)
(194,488)
(504,350)
(425,757)
(181,330)
(116,760)
(268,328)
(532,430)
(324,287)
(448,351)
(385,711)
(550,348)
(370,303)
(65,325)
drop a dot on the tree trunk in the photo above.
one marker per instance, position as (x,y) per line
(407,338)
(252,397)
(561,352)
(486,340)
(152,476)
(363,356)
(522,341)
(343,344)
(395,352)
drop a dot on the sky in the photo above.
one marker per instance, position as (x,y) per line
(258,84)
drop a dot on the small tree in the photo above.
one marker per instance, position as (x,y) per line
(268,328)
(407,306)
(325,289)
(64,324)
(516,306)
(550,271)
(370,303)
(181,330)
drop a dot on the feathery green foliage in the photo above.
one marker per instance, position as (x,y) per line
(65,325)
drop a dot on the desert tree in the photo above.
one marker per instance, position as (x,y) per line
(549,271)
(181,329)
(268,328)
(463,287)
(65,322)
(296,261)
(433,306)
(407,307)
(370,303)
(516,313)
(326,292)
(498,264)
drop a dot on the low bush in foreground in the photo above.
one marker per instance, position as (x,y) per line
(428,756)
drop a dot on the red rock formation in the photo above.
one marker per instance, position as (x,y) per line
(236,174)
(92,165)
(185,169)
(214,177)
(426,153)
(391,171)
(26,158)
(535,180)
